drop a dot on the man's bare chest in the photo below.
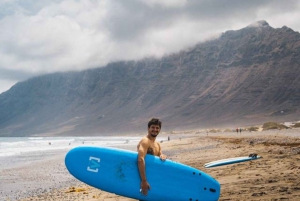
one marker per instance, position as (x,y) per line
(153,149)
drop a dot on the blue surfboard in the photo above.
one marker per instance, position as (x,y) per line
(116,171)
(229,161)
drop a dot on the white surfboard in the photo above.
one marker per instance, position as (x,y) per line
(229,161)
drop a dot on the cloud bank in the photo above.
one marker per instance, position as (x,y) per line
(39,37)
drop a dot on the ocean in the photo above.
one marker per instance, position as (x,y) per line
(31,165)
(16,151)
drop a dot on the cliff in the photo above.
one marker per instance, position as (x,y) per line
(244,77)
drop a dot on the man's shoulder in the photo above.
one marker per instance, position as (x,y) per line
(145,139)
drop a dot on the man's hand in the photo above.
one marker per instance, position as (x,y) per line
(145,186)
(163,157)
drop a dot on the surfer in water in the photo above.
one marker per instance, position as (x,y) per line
(149,145)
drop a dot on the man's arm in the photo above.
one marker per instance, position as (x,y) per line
(142,151)
(162,156)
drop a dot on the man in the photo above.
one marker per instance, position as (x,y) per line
(148,145)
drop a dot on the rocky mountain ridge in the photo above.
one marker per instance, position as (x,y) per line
(244,77)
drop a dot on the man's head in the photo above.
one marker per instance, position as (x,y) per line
(154,126)
(154,121)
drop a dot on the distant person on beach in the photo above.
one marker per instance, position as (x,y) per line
(240,130)
(149,145)
(237,130)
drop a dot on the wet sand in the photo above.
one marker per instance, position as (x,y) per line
(274,177)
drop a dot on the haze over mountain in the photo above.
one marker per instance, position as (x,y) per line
(244,77)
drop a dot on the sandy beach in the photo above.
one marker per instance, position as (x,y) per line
(274,177)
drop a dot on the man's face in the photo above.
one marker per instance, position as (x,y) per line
(154,130)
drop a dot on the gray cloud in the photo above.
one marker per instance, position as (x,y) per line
(128,20)
(60,35)
(15,74)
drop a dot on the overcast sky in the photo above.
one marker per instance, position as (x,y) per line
(39,37)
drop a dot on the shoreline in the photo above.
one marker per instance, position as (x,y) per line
(275,176)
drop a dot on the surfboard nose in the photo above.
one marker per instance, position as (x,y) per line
(70,160)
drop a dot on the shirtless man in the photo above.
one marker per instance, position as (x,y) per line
(148,145)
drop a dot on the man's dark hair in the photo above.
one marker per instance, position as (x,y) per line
(154,121)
